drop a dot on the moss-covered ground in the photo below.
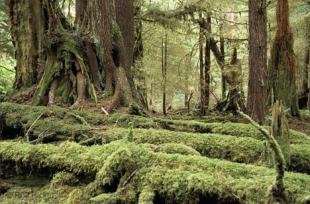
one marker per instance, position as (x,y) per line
(58,155)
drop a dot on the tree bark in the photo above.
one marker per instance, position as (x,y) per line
(257,60)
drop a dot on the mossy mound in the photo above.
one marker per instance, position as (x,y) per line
(130,172)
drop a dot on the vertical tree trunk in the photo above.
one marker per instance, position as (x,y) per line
(282,70)
(307,68)
(222,48)
(207,62)
(257,59)
(26,19)
(82,21)
(201,68)
(164,71)
(138,54)
(112,22)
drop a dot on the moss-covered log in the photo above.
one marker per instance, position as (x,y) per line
(17,115)
(235,142)
(150,176)
(240,149)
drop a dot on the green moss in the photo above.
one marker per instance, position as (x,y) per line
(177,178)
(175,148)
(64,178)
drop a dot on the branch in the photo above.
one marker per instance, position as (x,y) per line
(7,69)
(279,158)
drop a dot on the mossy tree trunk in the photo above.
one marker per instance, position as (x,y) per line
(63,61)
(50,55)
(234,100)
(138,54)
(257,59)
(282,66)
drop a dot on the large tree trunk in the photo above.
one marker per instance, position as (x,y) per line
(257,59)
(27,34)
(49,55)
(282,70)
(112,22)
(62,61)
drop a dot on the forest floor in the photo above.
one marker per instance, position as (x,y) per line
(59,155)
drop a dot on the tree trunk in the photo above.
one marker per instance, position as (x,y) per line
(304,93)
(207,63)
(308,72)
(257,60)
(46,48)
(201,66)
(138,54)
(164,71)
(282,70)
(113,25)
(27,35)
(62,61)
(222,48)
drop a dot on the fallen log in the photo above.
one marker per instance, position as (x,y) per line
(131,172)
(66,121)
(235,142)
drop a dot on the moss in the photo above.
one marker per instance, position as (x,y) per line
(300,158)
(21,193)
(175,148)
(177,178)
(64,178)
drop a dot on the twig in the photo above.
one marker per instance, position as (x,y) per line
(7,69)
(81,119)
(105,111)
(32,125)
